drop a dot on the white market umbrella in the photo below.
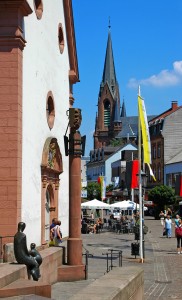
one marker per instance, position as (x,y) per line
(124,205)
(95,204)
(138,207)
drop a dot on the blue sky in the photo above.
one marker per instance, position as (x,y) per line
(147,47)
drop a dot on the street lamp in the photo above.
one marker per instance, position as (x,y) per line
(143,176)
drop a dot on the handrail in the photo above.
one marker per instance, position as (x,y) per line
(119,252)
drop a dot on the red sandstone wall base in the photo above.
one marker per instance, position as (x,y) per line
(71,273)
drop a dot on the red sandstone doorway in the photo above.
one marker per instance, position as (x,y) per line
(49,199)
(51,168)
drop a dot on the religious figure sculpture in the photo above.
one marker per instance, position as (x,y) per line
(35,253)
(78,118)
(23,256)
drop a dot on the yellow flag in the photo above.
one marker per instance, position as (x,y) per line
(145,131)
(103,186)
(151,172)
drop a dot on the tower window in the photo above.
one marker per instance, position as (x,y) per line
(107,113)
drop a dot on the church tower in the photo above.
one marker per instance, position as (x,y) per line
(108,119)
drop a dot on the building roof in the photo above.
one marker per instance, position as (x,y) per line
(130,127)
(174,107)
(176,158)
(109,74)
(109,151)
(70,34)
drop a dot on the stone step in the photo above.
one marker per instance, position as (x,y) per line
(26,287)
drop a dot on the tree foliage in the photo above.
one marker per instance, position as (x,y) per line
(116,142)
(162,195)
(93,191)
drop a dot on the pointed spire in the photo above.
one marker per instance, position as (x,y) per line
(117,117)
(109,74)
(109,23)
(123,109)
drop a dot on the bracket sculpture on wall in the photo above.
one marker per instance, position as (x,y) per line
(75,144)
(32,259)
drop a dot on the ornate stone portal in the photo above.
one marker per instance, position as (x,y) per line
(51,168)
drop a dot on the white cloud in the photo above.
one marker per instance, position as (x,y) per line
(164,78)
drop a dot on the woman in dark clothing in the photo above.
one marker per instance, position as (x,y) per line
(179,238)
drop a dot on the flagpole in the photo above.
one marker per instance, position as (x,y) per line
(140,184)
(132,191)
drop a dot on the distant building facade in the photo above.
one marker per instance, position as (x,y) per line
(166,145)
(102,165)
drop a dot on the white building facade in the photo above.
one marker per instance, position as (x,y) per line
(47,69)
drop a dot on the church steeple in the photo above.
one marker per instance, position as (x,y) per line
(108,121)
(109,74)
(123,110)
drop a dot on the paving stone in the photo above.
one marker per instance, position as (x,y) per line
(162,265)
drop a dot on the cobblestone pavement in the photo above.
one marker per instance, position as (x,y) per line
(162,264)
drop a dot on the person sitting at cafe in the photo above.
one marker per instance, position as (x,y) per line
(84,228)
(98,225)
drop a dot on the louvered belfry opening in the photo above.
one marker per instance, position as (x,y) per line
(107,113)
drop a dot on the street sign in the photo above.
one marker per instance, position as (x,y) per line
(148,202)
(83,193)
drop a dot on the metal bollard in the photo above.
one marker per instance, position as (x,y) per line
(86,254)
(107,261)
(135,249)
(120,258)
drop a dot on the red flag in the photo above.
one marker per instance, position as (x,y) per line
(134,175)
(180,189)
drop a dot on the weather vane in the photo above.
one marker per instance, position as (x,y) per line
(109,23)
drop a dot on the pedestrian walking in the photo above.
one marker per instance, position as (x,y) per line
(161,216)
(176,220)
(53,224)
(169,212)
(178,233)
(168,226)
(56,231)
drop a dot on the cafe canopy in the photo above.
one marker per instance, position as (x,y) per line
(95,204)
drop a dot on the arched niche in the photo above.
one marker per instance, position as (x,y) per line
(51,168)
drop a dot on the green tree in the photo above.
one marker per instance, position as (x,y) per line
(116,142)
(109,187)
(93,191)
(161,195)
